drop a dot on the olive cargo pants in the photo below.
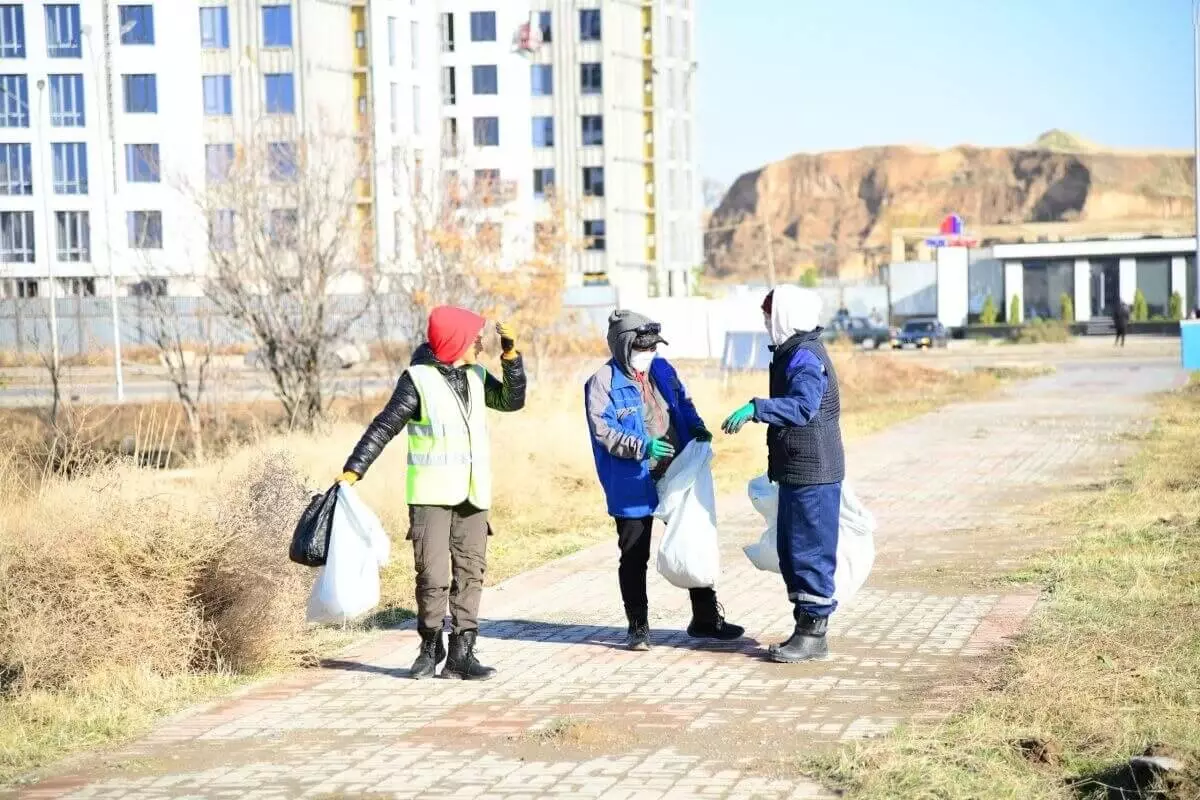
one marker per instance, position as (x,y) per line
(450,556)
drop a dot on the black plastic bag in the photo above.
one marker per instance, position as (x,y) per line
(310,541)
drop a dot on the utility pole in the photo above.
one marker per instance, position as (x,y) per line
(118,369)
(47,183)
(1196,125)
(767,237)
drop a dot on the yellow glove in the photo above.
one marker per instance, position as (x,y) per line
(508,341)
(348,478)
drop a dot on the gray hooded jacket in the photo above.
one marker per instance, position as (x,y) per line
(622,331)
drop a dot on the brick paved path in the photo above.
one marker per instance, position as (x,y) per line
(572,715)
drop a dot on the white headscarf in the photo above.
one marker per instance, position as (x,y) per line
(793,309)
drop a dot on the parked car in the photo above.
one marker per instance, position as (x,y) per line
(859,330)
(921,334)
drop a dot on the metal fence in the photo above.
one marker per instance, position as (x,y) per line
(85,323)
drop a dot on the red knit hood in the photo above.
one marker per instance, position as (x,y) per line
(452,332)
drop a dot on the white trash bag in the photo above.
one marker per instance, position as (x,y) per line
(856,537)
(689,556)
(348,584)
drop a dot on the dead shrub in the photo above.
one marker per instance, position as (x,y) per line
(111,572)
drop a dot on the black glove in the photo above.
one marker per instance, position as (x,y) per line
(702,435)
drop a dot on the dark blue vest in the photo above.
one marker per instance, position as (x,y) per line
(811,454)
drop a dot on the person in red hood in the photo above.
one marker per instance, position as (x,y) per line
(442,398)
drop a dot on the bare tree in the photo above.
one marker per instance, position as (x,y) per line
(285,233)
(188,361)
(452,236)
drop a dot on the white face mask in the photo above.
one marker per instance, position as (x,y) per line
(640,360)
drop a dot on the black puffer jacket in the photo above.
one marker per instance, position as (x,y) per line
(405,404)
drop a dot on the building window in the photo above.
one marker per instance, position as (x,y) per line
(141,94)
(593,234)
(137,24)
(283,161)
(66,101)
(1153,276)
(1044,283)
(416,115)
(414,40)
(149,287)
(70,167)
(281,93)
(543,131)
(142,164)
(670,37)
(24,288)
(145,230)
(63,35)
(77,287)
(543,21)
(590,79)
(218,95)
(450,136)
(221,230)
(277,26)
(14,101)
(391,43)
(218,162)
(397,171)
(449,87)
(394,94)
(593,129)
(483,26)
(16,237)
(593,181)
(487,182)
(283,226)
(12,31)
(543,182)
(447,27)
(487,131)
(484,79)
(541,78)
(73,235)
(589,25)
(16,172)
(214,27)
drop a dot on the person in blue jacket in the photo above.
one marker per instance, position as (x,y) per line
(806,458)
(640,416)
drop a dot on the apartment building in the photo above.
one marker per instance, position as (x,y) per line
(591,103)
(112,114)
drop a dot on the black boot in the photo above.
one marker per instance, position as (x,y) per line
(638,637)
(461,664)
(433,650)
(708,621)
(807,642)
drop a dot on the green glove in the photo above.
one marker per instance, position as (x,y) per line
(659,449)
(737,419)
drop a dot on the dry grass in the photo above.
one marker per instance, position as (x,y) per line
(127,592)
(1109,667)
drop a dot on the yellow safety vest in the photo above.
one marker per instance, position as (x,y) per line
(449,456)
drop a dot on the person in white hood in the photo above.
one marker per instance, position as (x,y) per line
(806,458)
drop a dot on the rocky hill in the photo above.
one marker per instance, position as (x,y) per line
(837,210)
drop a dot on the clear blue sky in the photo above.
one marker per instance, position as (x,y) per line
(783,76)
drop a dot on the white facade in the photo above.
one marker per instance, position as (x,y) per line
(179,77)
(608,96)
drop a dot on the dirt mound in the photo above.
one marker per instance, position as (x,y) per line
(836,211)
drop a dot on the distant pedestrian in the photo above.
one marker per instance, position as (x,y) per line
(1121,323)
